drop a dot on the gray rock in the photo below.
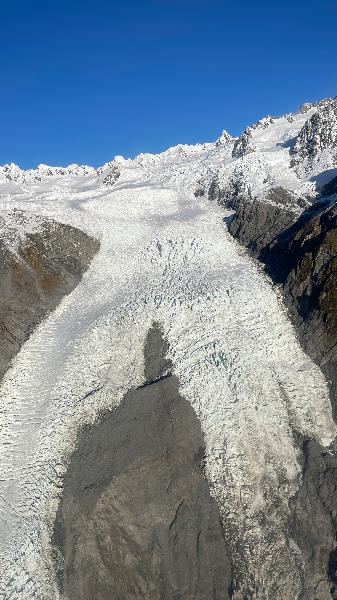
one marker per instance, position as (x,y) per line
(224,139)
(301,255)
(243,145)
(47,266)
(231,196)
(310,290)
(313,522)
(256,223)
(136,519)
(199,192)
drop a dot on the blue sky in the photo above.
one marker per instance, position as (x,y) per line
(84,80)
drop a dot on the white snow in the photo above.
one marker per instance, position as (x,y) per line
(166,256)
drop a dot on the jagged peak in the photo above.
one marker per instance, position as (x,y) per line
(224,138)
(304,108)
(243,145)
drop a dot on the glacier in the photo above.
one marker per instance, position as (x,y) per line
(165,256)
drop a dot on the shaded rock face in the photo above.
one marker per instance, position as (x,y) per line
(304,260)
(313,522)
(330,188)
(47,266)
(243,144)
(257,223)
(136,519)
(224,139)
(232,196)
(301,255)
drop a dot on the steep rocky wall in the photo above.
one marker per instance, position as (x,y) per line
(301,255)
(47,265)
(304,260)
(256,224)
(313,521)
(136,519)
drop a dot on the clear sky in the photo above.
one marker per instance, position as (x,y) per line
(84,80)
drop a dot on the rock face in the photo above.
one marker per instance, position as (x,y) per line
(243,144)
(330,188)
(112,177)
(301,255)
(224,139)
(313,523)
(304,260)
(136,519)
(46,266)
(257,223)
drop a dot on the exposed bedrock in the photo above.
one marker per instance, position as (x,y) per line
(313,522)
(47,265)
(136,518)
(256,223)
(301,255)
(304,260)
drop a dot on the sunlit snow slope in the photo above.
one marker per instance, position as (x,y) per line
(165,256)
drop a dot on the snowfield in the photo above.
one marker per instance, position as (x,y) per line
(165,256)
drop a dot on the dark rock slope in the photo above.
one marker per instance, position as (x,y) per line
(136,519)
(313,521)
(256,223)
(301,255)
(304,260)
(47,265)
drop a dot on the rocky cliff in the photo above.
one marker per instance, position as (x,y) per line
(300,254)
(36,273)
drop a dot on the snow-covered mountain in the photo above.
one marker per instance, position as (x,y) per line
(166,257)
(12,172)
(292,151)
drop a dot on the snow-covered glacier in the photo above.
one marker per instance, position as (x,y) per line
(165,256)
